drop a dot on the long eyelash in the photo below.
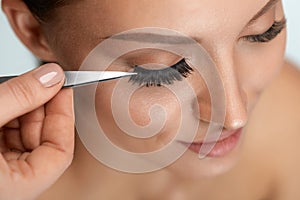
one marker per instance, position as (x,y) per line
(165,76)
(270,34)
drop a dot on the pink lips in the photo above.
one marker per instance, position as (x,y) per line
(223,146)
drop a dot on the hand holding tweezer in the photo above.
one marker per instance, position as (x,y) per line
(81,78)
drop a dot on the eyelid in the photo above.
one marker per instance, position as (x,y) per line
(271,4)
(160,63)
(151,56)
(165,67)
(261,24)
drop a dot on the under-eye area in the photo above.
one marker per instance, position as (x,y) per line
(159,77)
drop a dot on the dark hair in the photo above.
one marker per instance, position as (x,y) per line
(42,9)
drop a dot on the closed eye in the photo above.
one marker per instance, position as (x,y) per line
(269,35)
(166,76)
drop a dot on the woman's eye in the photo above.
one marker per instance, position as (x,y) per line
(166,76)
(270,34)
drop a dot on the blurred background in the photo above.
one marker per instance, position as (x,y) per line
(16,59)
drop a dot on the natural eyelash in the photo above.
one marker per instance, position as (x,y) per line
(165,76)
(270,34)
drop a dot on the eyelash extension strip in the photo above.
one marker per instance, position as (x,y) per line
(166,76)
(270,34)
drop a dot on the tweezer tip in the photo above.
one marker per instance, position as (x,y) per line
(133,73)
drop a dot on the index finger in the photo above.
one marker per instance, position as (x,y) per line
(29,91)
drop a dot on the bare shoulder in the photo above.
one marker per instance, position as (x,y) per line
(284,111)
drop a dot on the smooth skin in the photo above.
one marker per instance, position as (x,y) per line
(262,94)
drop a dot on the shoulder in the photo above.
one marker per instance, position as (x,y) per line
(283,102)
(284,97)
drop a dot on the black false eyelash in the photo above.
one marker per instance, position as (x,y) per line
(166,76)
(270,34)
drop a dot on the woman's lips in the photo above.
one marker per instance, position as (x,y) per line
(221,147)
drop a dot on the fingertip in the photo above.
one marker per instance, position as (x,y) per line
(49,75)
(30,90)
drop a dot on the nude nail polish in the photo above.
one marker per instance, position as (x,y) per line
(49,75)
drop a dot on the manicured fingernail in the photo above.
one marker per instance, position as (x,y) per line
(49,75)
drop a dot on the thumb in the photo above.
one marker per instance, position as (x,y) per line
(29,91)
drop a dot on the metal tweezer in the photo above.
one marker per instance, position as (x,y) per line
(81,78)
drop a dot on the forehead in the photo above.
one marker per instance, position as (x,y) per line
(119,15)
(85,23)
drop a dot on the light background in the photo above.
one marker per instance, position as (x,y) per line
(16,59)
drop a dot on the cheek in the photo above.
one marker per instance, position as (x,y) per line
(144,99)
(141,103)
(259,64)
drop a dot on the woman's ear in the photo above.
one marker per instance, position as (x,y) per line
(27,28)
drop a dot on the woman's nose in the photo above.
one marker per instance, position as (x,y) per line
(236,115)
(235,105)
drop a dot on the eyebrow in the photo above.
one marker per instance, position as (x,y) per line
(169,39)
(155,38)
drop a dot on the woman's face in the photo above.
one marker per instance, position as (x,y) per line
(246,67)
